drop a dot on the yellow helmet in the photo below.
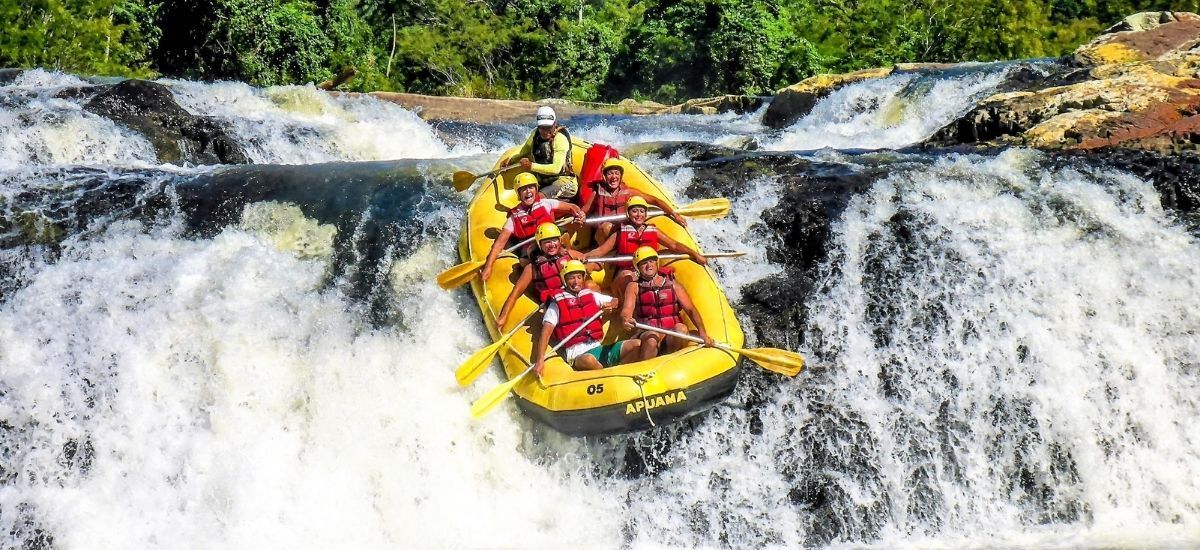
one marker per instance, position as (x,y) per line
(547,231)
(524,179)
(635,201)
(572,266)
(644,253)
(612,163)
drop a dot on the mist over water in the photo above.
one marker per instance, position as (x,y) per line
(1002,350)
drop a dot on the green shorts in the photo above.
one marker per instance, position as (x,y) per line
(608,355)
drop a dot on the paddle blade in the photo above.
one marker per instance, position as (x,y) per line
(494,396)
(706,209)
(459,274)
(476,364)
(463,180)
(787,363)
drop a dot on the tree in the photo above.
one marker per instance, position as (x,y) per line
(103,37)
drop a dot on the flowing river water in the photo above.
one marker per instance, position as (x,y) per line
(1002,348)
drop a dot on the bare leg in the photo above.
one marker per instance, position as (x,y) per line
(675,344)
(630,350)
(587,362)
(649,345)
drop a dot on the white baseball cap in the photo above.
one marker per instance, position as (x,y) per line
(545,116)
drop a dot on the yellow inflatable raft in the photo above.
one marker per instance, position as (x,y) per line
(624,398)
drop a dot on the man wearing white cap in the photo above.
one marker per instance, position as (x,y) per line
(547,153)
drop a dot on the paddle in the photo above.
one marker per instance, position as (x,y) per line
(477,363)
(607,259)
(703,209)
(497,394)
(463,179)
(787,363)
(458,275)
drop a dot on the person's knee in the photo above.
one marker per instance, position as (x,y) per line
(586,362)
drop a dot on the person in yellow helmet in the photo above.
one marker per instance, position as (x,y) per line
(657,300)
(566,311)
(635,233)
(610,195)
(541,270)
(526,216)
(547,154)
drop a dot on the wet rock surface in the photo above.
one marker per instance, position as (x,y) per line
(1142,37)
(1136,86)
(795,101)
(1131,105)
(814,193)
(178,136)
(812,197)
(1175,176)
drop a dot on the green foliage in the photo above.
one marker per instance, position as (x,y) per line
(668,50)
(457,48)
(277,43)
(95,37)
(576,62)
(353,46)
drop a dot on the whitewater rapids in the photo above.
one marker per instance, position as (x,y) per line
(1003,349)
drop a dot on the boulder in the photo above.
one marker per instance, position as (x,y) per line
(1134,105)
(1175,176)
(795,101)
(644,107)
(178,136)
(722,104)
(1144,36)
(8,76)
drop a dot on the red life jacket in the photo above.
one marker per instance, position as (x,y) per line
(526,219)
(573,311)
(658,306)
(546,282)
(609,204)
(630,238)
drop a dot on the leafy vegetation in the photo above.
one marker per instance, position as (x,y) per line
(666,50)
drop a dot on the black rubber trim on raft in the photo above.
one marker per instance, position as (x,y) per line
(613,419)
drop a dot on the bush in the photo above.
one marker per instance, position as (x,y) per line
(102,37)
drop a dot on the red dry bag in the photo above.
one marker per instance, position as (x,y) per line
(592,171)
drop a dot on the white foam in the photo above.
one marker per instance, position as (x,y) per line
(726,129)
(303,125)
(890,112)
(232,404)
(1066,295)
(733,233)
(39,129)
